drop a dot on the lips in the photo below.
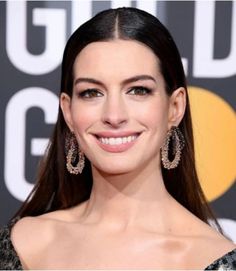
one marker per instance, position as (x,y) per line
(116,142)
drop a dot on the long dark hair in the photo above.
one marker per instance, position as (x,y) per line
(57,189)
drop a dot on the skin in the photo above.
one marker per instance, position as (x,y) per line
(130,220)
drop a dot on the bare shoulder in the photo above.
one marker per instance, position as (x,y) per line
(215,246)
(31,236)
(211,233)
(38,226)
(200,232)
(37,232)
(218,241)
(29,232)
(205,242)
(200,239)
(210,244)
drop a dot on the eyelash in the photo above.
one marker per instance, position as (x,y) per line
(88,93)
(147,91)
(94,93)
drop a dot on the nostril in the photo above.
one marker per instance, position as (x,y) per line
(114,121)
(115,113)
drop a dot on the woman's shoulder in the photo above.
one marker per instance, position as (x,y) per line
(36,231)
(17,237)
(207,245)
(216,241)
(211,250)
(41,229)
(220,251)
(31,235)
(41,224)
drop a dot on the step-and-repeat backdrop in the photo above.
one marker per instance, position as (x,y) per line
(32,38)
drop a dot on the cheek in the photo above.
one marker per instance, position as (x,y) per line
(82,118)
(153,115)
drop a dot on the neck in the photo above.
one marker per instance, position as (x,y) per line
(125,200)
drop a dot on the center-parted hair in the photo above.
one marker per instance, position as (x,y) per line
(55,188)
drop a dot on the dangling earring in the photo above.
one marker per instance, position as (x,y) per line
(178,143)
(73,154)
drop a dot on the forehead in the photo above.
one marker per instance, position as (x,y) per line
(116,57)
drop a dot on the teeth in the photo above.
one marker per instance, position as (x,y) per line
(117,140)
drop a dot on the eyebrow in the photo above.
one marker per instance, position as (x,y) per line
(126,81)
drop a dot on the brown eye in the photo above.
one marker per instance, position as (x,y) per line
(90,93)
(140,91)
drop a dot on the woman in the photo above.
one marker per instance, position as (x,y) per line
(118,186)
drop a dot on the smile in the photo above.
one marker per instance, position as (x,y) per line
(115,143)
(117,140)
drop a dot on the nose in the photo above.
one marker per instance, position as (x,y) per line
(115,111)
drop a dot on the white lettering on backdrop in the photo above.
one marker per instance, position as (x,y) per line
(54,21)
(81,12)
(15,139)
(204,65)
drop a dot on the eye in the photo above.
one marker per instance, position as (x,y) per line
(90,93)
(140,91)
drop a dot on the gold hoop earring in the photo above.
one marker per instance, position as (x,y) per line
(178,144)
(73,154)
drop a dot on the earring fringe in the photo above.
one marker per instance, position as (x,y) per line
(73,152)
(178,144)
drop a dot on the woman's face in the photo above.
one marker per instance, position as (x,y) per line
(119,110)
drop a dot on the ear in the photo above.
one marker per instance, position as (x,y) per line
(65,104)
(177,106)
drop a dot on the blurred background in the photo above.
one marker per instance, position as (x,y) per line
(32,38)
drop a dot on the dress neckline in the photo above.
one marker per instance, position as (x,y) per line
(218,260)
(209,267)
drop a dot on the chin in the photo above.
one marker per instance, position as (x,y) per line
(116,168)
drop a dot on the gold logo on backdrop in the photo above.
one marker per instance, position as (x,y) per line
(214,127)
